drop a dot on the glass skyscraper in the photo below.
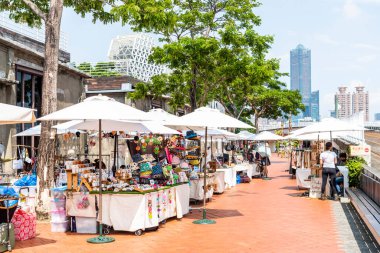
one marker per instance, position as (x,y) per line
(300,79)
(314,105)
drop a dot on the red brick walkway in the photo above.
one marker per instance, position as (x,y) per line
(263,216)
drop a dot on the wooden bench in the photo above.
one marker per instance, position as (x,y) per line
(368,210)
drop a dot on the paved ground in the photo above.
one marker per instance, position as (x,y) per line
(263,216)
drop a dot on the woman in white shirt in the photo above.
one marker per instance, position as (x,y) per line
(328,159)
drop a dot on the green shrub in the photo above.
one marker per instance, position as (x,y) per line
(355,168)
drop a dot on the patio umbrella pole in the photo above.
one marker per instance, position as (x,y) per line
(204,220)
(100,238)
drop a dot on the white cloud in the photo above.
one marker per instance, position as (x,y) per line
(326,39)
(366,59)
(366,46)
(369,1)
(351,9)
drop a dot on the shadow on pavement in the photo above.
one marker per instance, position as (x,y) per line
(294,188)
(362,234)
(215,214)
(37,241)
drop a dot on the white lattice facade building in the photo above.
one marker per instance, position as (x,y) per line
(130,54)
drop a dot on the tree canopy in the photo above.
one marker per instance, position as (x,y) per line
(206,43)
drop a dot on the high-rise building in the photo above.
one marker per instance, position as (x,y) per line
(300,74)
(314,105)
(377,116)
(343,103)
(360,102)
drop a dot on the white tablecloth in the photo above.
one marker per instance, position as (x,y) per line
(219,181)
(301,175)
(131,212)
(196,188)
(228,177)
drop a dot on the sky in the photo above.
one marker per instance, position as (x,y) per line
(343,35)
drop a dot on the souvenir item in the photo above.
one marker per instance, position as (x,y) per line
(145,167)
(190,134)
(175,160)
(157,169)
(137,158)
(167,170)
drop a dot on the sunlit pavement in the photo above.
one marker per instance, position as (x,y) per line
(263,216)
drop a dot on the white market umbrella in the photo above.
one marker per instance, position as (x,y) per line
(267,136)
(126,126)
(161,115)
(61,129)
(10,114)
(98,108)
(246,136)
(202,119)
(217,133)
(111,125)
(329,125)
(158,128)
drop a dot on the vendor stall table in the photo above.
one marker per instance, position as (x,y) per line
(196,187)
(228,177)
(248,168)
(135,212)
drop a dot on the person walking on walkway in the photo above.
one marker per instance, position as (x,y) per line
(328,159)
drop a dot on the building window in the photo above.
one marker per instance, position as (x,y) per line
(28,94)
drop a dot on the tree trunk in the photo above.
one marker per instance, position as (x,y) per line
(45,170)
(257,123)
(193,91)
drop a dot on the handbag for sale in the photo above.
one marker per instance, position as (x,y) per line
(145,167)
(137,158)
(157,169)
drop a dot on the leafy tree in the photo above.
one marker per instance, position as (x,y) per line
(49,13)
(270,103)
(203,39)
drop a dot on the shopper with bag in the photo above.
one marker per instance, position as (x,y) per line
(328,159)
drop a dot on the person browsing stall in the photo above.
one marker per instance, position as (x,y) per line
(328,159)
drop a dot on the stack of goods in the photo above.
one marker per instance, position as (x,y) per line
(144,174)
(8,205)
(59,221)
(193,148)
(75,171)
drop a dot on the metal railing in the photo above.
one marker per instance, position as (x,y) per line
(37,34)
(100,69)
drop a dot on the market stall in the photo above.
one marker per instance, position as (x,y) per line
(202,119)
